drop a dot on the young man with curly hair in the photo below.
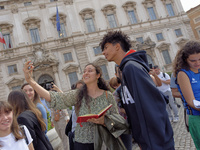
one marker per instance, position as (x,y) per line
(144,104)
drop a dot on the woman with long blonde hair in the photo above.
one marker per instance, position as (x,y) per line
(11,135)
(27,114)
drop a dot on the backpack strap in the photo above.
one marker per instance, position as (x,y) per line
(163,74)
(106,95)
(24,133)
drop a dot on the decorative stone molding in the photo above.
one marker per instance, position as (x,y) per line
(167,1)
(14,9)
(31,22)
(163,46)
(6,27)
(134,44)
(70,68)
(100,61)
(68,2)
(86,13)
(42,6)
(45,78)
(62,19)
(15,82)
(181,42)
(109,9)
(146,3)
(43,60)
(148,44)
(129,5)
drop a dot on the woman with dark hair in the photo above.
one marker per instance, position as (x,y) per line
(27,114)
(187,70)
(90,99)
(33,95)
(11,135)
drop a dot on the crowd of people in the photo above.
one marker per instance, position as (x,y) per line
(142,99)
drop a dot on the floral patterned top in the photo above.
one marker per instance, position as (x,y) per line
(84,134)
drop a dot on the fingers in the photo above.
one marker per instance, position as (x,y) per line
(28,66)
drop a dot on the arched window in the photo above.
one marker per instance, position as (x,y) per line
(89,19)
(110,15)
(151,9)
(63,32)
(169,7)
(32,26)
(131,12)
(6,30)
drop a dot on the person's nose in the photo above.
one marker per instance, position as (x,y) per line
(4,116)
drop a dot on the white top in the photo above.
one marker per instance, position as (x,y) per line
(9,142)
(164,87)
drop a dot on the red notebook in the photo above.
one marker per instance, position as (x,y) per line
(84,118)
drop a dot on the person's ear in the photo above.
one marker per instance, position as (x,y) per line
(118,46)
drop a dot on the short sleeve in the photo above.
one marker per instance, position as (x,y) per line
(30,140)
(167,77)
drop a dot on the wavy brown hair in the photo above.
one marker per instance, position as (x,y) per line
(180,61)
(83,93)
(15,129)
(20,102)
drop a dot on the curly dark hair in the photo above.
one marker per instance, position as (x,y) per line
(180,61)
(115,37)
(83,93)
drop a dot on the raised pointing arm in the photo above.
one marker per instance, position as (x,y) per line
(28,70)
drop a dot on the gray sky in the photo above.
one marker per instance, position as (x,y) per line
(188,4)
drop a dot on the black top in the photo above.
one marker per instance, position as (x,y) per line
(144,105)
(40,141)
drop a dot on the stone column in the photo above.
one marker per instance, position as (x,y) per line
(57,80)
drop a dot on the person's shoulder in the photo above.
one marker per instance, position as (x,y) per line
(39,106)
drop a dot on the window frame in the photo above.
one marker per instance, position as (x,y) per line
(38,35)
(133,20)
(27,3)
(105,75)
(98,50)
(69,76)
(63,33)
(169,11)
(66,54)
(157,35)
(90,27)
(165,59)
(140,41)
(8,41)
(154,17)
(177,33)
(13,70)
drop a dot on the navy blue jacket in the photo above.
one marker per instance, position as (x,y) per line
(145,105)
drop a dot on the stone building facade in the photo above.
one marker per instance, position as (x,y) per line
(194,15)
(160,27)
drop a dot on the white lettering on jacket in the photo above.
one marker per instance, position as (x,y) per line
(126,96)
